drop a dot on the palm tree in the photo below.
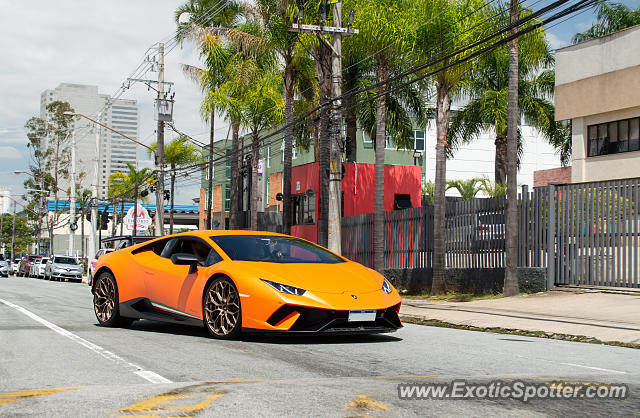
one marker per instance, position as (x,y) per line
(384,27)
(611,17)
(468,189)
(262,106)
(492,188)
(487,89)
(177,153)
(452,27)
(129,185)
(203,26)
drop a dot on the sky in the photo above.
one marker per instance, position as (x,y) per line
(45,43)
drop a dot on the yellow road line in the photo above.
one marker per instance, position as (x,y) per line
(365,404)
(7,398)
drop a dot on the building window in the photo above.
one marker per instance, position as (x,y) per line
(388,143)
(304,209)
(269,156)
(266,196)
(366,138)
(614,137)
(418,140)
(227,197)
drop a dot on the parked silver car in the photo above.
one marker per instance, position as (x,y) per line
(15,265)
(62,267)
(4,266)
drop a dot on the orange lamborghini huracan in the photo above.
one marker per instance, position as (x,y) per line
(242,281)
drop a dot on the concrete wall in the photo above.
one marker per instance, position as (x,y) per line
(530,280)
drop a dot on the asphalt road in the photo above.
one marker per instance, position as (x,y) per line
(56,361)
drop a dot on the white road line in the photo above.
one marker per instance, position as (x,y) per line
(594,368)
(145,374)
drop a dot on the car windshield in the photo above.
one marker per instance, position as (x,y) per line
(273,249)
(65,260)
(44,261)
(491,218)
(34,257)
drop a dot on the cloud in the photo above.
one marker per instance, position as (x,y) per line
(46,43)
(9,153)
(555,41)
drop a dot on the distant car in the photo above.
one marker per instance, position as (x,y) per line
(94,260)
(4,266)
(61,267)
(26,263)
(15,265)
(37,270)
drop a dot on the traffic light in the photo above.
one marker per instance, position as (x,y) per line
(104,220)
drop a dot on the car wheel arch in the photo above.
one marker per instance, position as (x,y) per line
(102,269)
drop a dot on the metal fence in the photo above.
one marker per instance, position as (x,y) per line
(597,237)
(582,233)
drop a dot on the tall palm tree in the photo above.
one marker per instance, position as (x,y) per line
(262,106)
(452,26)
(196,20)
(178,153)
(384,27)
(83,199)
(130,184)
(611,17)
(487,89)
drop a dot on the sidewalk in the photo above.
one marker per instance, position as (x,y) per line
(606,317)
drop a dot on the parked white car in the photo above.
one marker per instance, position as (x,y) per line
(4,266)
(38,268)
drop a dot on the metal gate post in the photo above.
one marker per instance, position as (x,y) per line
(551,236)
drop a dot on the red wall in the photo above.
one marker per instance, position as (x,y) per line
(305,177)
(397,180)
(358,200)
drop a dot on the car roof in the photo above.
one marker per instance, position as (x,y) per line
(215,233)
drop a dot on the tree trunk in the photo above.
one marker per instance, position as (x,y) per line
(511,255)
(352,131)
(173,189)
(323,71)
(114,220)
(323,220)
(235,182)
(438,285)
(289,88)
(255,156)
(501,159)
(382,73)
(210,177)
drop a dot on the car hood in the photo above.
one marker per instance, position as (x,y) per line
(326,278)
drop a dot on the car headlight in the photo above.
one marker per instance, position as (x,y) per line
(284,288)
(386,286)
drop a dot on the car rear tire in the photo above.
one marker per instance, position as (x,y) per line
(105,302)
(221,309)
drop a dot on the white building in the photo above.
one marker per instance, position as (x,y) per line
(114,151)
(5,202)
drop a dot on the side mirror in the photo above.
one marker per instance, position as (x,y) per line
(184,259)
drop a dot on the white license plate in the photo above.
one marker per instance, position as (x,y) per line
(362,316)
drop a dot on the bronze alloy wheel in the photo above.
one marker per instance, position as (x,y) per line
(104,298)
(222,314)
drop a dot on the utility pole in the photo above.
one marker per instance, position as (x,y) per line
(93,243)
(72,199)
(160,148)
(335,162)
(13,231)
(335,153)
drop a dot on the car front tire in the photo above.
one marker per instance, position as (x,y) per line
(106,304)
(222,312)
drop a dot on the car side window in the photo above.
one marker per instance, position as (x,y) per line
(212,258)
(168,248)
